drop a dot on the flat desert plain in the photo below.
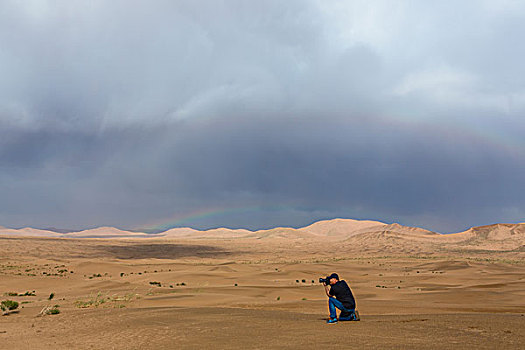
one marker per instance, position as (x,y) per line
(237,289)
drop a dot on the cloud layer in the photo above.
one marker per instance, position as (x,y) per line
(134,115)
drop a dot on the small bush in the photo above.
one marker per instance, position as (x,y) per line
(278,298)
(53,311)
(49,310)
(156,284)
(121,274)
(11,294)
(94,301)
(8,305)
(51,296)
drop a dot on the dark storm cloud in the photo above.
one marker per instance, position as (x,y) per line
(125,114)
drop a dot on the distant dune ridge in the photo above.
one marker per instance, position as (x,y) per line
(367,234)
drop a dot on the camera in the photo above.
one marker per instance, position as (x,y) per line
(324,280)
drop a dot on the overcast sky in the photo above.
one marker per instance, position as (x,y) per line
(258,114)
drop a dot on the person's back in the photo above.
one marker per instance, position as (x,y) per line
(342,292)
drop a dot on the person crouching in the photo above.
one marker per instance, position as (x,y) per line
(339,297)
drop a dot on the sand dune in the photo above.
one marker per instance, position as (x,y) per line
(491,237)
(496,232)
(223,288)
(104,232)
(340,227)
(28,232)
(260,289)
(355,234)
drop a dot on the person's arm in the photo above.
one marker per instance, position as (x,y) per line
(327,290)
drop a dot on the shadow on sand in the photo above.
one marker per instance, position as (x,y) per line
(160,251)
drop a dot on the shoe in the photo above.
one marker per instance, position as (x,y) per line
(331,320)
(356,316)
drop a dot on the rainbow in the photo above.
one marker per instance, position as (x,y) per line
(181,219)
(466,131)
(463,131)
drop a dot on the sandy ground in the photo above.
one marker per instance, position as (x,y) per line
(253,294)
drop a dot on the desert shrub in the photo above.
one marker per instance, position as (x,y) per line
(51,296)
(121,274)
(54,310)
(8,306)
(100,298)
(304,281)
(93,301)
(29,294)
(11,294)
(153,283)
(49,310)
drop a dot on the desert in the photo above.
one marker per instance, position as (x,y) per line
(226,289)
(200,174)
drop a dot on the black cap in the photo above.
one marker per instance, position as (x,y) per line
(334,275)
